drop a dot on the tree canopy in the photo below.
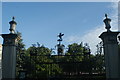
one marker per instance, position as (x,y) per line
(39,62)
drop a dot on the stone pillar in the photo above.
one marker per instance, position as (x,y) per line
(112,56)
(9,52)
(9,56)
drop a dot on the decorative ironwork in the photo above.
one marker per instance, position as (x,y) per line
(60,47)
(99,47)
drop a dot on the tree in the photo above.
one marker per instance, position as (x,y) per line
(99,65)
(20,48)
(41,63)
(76,58)
(38,62)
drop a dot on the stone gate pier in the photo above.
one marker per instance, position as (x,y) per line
(9,53)
(111,51)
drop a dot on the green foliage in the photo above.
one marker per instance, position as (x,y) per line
(39,63)
(20,54)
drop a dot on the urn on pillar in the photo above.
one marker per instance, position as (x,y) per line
(9,53)
(107,23)
(112,56)
(12,26)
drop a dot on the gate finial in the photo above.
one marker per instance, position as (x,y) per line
(12,25)
(107,23)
